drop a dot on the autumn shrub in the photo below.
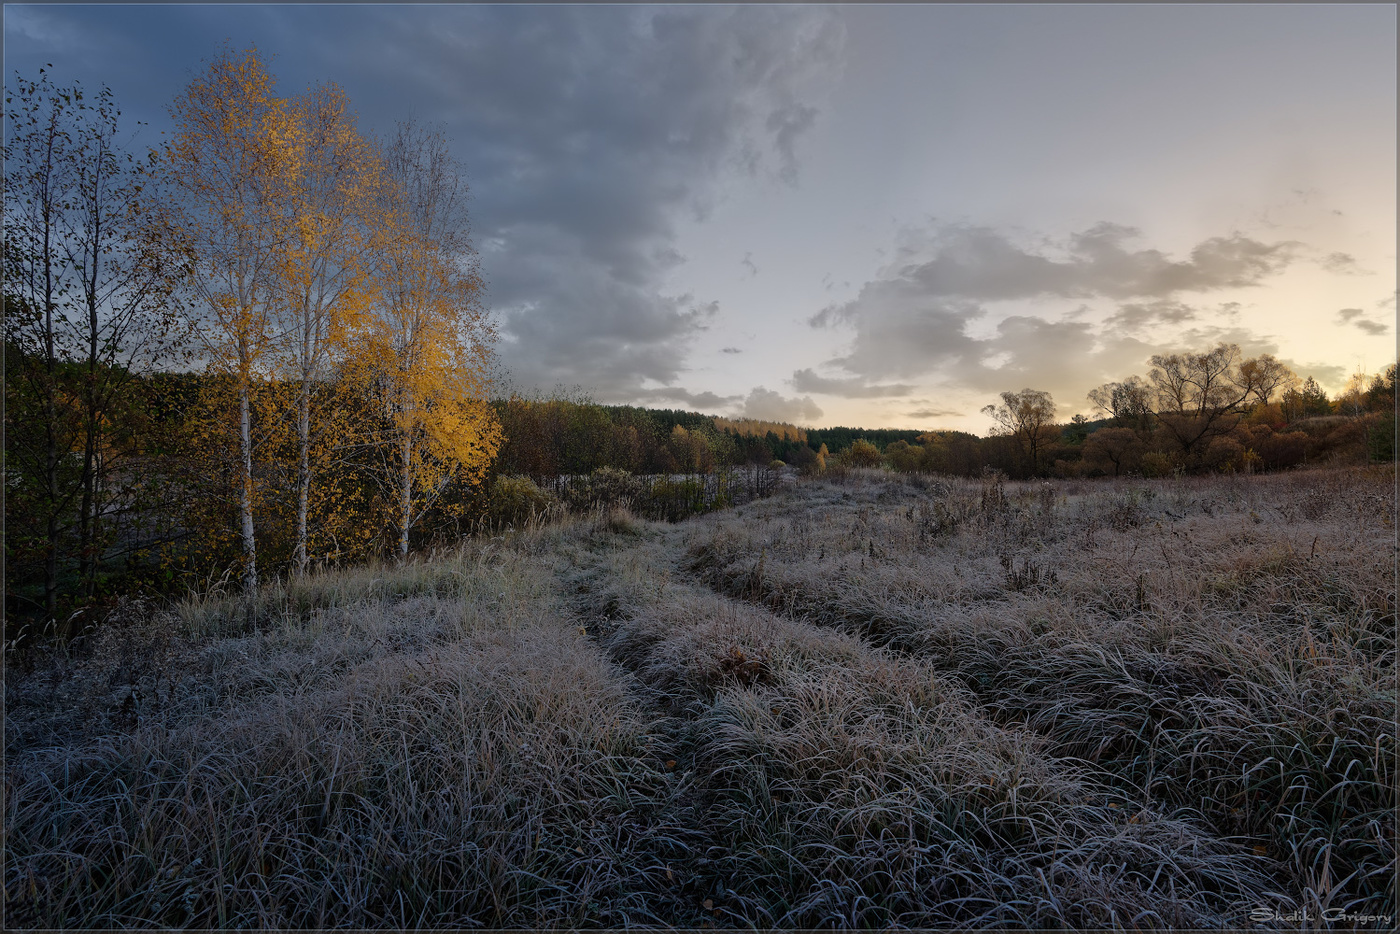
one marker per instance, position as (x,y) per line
(516,501)
(615,519)
(861,453)
(902,457)
(674,499)
(603,488)
(1282,449)
(803,459)
(1224,454)
(1156,464)
(818,464)
(1381,433)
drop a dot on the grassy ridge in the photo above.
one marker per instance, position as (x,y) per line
(862,703)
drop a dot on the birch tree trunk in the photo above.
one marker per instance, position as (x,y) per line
(245,502)
(329,202)
(299,557)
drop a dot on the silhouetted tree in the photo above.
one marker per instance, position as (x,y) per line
(86,309)
(1028,417)
(1198,396)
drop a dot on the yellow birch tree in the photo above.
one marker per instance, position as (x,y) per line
(329,208)
(231,157)
(426,347)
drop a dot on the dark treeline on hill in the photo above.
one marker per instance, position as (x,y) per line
(554,437)
(1151,428)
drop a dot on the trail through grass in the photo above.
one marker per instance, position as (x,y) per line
(873,703)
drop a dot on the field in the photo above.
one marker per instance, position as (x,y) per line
(865,701)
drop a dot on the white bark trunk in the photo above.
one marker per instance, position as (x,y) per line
(250,546)
(299,557)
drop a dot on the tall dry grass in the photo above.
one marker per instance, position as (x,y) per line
(1222,648)
(879,702)
(420,746)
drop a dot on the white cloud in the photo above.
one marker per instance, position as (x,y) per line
(769,406)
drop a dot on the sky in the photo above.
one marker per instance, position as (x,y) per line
(863,215)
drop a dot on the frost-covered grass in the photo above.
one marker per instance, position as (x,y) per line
(875,702)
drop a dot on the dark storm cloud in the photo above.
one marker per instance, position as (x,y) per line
(900,331)
(571,320)
(932,413)
(984,264)
(585,132)
(588,132)
(769,406)
(854,388)
(730,350)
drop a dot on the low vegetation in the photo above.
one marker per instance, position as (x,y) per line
(868,700)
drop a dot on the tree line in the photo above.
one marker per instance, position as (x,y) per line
(1212,410)
(1193,412)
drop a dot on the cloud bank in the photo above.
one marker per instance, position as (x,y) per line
(928,316)
(588,133)
(769,406)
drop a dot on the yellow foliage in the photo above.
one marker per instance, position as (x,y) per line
(334,289)
(755,428)
(425,345)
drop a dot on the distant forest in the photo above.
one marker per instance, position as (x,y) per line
(1140,432)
